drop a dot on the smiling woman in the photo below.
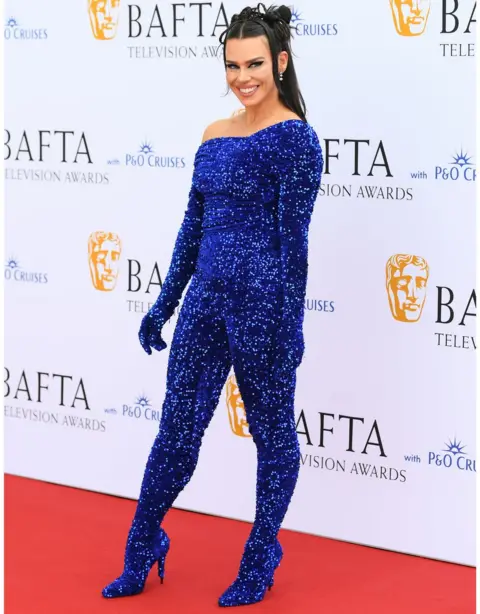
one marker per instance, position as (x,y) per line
(243,244)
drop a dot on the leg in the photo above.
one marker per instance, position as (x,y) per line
(269,405)
(198,366)
(272,425)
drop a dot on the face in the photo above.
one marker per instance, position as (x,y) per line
(407,292)
(104,261)
(236,409)
(410,16)
(104,18)
(249,71)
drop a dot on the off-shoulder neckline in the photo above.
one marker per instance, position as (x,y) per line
(249,136)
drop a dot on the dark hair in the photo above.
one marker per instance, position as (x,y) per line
(274,24)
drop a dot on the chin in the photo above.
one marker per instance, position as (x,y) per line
(250,103)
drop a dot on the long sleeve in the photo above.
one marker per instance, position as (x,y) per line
(300,175)
(184,255)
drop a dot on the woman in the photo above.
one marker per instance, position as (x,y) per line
(243,243)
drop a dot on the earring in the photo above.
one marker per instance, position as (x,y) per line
(281,76)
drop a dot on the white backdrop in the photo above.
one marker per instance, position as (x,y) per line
(101,136)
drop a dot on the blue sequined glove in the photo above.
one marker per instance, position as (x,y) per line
(179,273)
(150,333)
(299,176)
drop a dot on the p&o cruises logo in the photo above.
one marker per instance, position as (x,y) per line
(141,408)
(407,276)
(411,17)
(303,27)
(161,23)
(16,273)
(460,168)
(452,457)
(14,31)
(146,157)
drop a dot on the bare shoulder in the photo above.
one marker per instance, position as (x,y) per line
(225,127)
(235,124)
(221,127)
(290,115)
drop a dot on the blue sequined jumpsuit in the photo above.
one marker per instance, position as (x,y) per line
(243,246)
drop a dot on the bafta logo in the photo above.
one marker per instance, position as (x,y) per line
(104,250)
(236,409)
(410,16)
(407,278)
(104,18)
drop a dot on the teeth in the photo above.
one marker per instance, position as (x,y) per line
(250,89)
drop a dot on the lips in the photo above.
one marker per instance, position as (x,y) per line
(248,91)
(415,20)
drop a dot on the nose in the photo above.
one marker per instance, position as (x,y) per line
(108,262)
(412,291)
(243,76)
(415,7)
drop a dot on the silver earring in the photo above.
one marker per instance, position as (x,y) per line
(281,76)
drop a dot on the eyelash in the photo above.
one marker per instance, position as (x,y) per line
(230,66)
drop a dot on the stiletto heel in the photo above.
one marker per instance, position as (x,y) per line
(134,576)
(161,561)
(161,567)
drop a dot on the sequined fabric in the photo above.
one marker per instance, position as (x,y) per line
(243,245)
(142,551)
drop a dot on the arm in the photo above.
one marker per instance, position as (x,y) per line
(300,176)
(181,268)
(184,256)
(187,244)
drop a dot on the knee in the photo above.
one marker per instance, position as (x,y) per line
(281,444)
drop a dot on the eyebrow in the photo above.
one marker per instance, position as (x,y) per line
(248,62)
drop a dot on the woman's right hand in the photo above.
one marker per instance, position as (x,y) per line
(150,333)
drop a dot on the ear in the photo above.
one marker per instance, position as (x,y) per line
(282,61)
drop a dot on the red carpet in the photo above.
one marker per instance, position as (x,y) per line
(62,545)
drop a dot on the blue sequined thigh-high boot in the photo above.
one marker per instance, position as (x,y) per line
(197,369)
(165,476)
(277,472)
(170,466)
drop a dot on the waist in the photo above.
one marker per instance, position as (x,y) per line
(246,251)
(228,227)
(222,214)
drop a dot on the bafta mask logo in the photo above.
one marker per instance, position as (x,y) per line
(407,278)
(104,249)
(410,16)
(104,18)
(236,409)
